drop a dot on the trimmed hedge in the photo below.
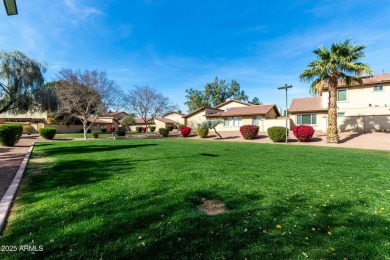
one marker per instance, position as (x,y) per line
(95,134)
(202,132)
(152,128)
(277,133)
(303,132)
(104,130)
(10,134)
(249,131)
(138,129)
(163,131)
(121,132)
(170,128)
(185,131)
(28,129)
(47,132)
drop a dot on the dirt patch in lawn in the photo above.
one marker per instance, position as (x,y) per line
(212,207)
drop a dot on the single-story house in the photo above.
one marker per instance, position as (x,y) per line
(175,116)
(309,111)
(162,122)
(235,117)
(235,113)
(197,116)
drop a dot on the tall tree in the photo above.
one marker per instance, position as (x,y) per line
(214,93)
(196,99)
(21,79)
(86,94)
(256,101)
(334,65)
(147,103)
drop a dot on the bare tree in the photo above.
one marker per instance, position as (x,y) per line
(86,94)
(147,103)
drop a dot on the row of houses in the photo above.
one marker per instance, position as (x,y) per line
(363,107)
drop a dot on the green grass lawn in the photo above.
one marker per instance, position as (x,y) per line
(138,198)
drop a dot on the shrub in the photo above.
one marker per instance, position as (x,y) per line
(143,129)
(121,132)
(47,132)
(152,128)
(138,129)
(303,132)
(95,134)
(163,131)
(277,133)
(103,130)
(185,131)
(2,123)
(28,129)
(202,132)
(170,128)
(10,134)
(249,131)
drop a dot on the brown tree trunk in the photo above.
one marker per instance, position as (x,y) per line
(332,132)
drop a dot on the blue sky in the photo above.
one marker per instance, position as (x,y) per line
(173,45)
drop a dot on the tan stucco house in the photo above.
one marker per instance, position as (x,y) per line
(363,107)
(234,113)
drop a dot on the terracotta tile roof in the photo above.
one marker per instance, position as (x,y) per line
(233,100)
(196,111)
(99,121)
(166,120)
(140,121)
(308,104)
(181,114)
(246,111)
(375,79)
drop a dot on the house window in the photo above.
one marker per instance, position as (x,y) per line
(232,121)
(342,94)
(256,120)
(309,119)
(378,88)
(341,114)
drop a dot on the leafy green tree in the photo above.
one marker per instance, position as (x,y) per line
(256,101)
(128,120)
(214,93)
(334,65)
(196,99)
(21,82)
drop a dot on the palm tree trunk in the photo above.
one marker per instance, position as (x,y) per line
(332,132)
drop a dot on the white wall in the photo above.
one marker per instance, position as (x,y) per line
(360,98)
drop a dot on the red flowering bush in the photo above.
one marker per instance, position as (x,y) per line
(185,131)
(249,131)
(143,129)
(2,123)
(303,132)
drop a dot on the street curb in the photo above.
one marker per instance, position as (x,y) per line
(6,201)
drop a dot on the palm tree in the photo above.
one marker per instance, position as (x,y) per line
(338,64)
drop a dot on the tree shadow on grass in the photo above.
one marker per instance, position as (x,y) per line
(165,223)
(93,148)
